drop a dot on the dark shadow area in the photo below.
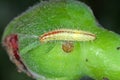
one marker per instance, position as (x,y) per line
(86,78)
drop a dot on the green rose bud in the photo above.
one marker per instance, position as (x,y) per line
(61,40)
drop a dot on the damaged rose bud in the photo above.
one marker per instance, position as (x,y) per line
(61,40)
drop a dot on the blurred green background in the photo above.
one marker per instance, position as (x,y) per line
(107,13)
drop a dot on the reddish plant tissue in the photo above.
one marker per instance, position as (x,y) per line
(13,39)
(11,44)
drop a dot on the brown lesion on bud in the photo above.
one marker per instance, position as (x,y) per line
(67,47)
